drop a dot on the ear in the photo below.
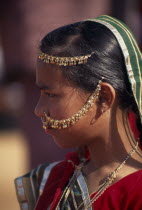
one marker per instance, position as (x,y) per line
(106,97)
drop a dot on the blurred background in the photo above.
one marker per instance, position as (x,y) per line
(23,144)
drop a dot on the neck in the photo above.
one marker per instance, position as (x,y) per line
(111,149)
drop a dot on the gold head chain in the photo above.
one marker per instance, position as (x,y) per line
(64,61)
(49,122)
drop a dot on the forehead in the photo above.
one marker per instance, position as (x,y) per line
(49,74)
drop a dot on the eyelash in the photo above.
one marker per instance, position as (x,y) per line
(51,95)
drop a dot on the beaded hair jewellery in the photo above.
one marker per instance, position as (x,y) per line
(49,122)
(64,61)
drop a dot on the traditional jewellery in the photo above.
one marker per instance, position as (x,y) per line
(49,122)
(108,181)
(63,61)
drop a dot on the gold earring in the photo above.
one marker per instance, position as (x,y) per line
(49,122)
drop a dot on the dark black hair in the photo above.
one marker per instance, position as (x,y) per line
(107,60)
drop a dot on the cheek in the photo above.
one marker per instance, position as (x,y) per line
(64,108)
(58,110)
(73,139)
(82,133)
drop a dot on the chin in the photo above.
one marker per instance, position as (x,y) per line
(62,143)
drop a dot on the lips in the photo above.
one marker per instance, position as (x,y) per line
(47,131)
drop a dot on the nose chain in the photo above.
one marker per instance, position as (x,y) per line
(49,122)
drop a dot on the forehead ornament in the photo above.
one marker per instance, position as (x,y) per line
(64,61)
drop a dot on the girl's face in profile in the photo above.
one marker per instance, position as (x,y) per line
(60,100)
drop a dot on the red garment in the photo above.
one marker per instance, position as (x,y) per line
(56,182)
(126,194)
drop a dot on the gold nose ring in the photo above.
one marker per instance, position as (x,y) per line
(44,121)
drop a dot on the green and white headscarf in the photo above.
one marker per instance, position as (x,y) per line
(131,52)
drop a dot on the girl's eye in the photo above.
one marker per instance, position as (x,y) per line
(51,95)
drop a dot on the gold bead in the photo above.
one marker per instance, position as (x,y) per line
(65,126)
(44,127)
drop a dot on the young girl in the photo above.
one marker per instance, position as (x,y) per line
(90,77)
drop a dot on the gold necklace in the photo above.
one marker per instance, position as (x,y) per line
(108,181)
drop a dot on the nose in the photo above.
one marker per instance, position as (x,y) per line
(39,110)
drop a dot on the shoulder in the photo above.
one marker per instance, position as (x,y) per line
(124,194)
(129,185)
(30,186)
(130,190)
